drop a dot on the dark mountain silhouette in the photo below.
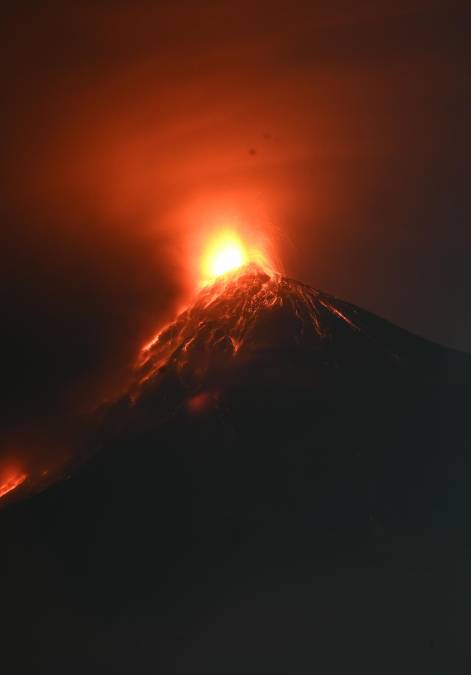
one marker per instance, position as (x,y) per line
(284,488)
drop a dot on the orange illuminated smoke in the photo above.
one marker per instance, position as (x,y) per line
(11,483)
(226,252)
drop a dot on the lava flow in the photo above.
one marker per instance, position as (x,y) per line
(11,483)
(245,323)
(224,259)
(243,312)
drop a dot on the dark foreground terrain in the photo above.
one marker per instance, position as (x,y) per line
(285,489)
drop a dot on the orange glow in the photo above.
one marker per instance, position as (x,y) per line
(225,253)
(11,483)
(199,403)
(213,252)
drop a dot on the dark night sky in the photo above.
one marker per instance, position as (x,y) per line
(339,130)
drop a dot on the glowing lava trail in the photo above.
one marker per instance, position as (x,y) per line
(240,312)
(224,259)
(12,483)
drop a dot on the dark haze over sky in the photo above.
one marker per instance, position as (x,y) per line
(339,130)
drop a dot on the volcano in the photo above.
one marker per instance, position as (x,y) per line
(263,378)
(286,473)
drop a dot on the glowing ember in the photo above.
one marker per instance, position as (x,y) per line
(225,253)
(12,483)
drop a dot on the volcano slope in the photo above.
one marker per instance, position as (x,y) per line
(264,381)
(284,487)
